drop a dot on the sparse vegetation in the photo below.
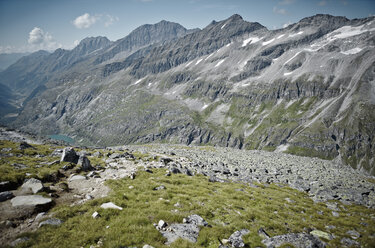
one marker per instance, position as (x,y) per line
(227,207)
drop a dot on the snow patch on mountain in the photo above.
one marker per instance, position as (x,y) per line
(352,51)
(296,34)
(251,40)
(295,55)
(189,63)
(268,42)
(220,62)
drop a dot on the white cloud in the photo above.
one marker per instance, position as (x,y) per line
(279,11)
(110,20)
(38,36)
(85,21)
(322,3)
(39,39)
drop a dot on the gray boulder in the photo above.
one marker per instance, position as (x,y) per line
(349,242)
(69,155)
(57,153)
(25,145)
(84,162)
(30,201)
(6,185)
(188,231)
(6,195)
(298,240)
(76,178)
(19,241)
(51,222)
(236,238)
(32,184)
(196,220)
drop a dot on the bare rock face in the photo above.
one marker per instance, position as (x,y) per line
(69,155)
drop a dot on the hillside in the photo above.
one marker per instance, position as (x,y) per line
(306,89)
(177,196)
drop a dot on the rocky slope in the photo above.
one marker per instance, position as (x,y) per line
(307,89)
(136,195)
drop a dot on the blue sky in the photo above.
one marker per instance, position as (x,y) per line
(30,25)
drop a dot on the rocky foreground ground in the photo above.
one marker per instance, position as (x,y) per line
(178,196)
(323,180)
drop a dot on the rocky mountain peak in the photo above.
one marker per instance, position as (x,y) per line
(90,44)
(323,20)
(235,17)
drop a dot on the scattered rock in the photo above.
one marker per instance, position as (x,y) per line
(69,155)
(166,161)
(77,177)
(19,241)
(354,234)
(110,205)
(188,231)
(263,233)
(236,238)
(162,224)
(33,184)
(97,154)
(95,215)
(115,155)
(289,200)
(298,240)
(147,246)
(6,195)
(214,179)
(349,242)
(332,205)
(25,145)
(175,170)
(39,216)
(161,187)
(321,234)
(30,201)
(19,166)
(6,186)
(51,222)
(335,214)
(84,162)
(57,153)
(196,220)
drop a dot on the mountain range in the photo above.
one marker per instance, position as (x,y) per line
(307,89)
